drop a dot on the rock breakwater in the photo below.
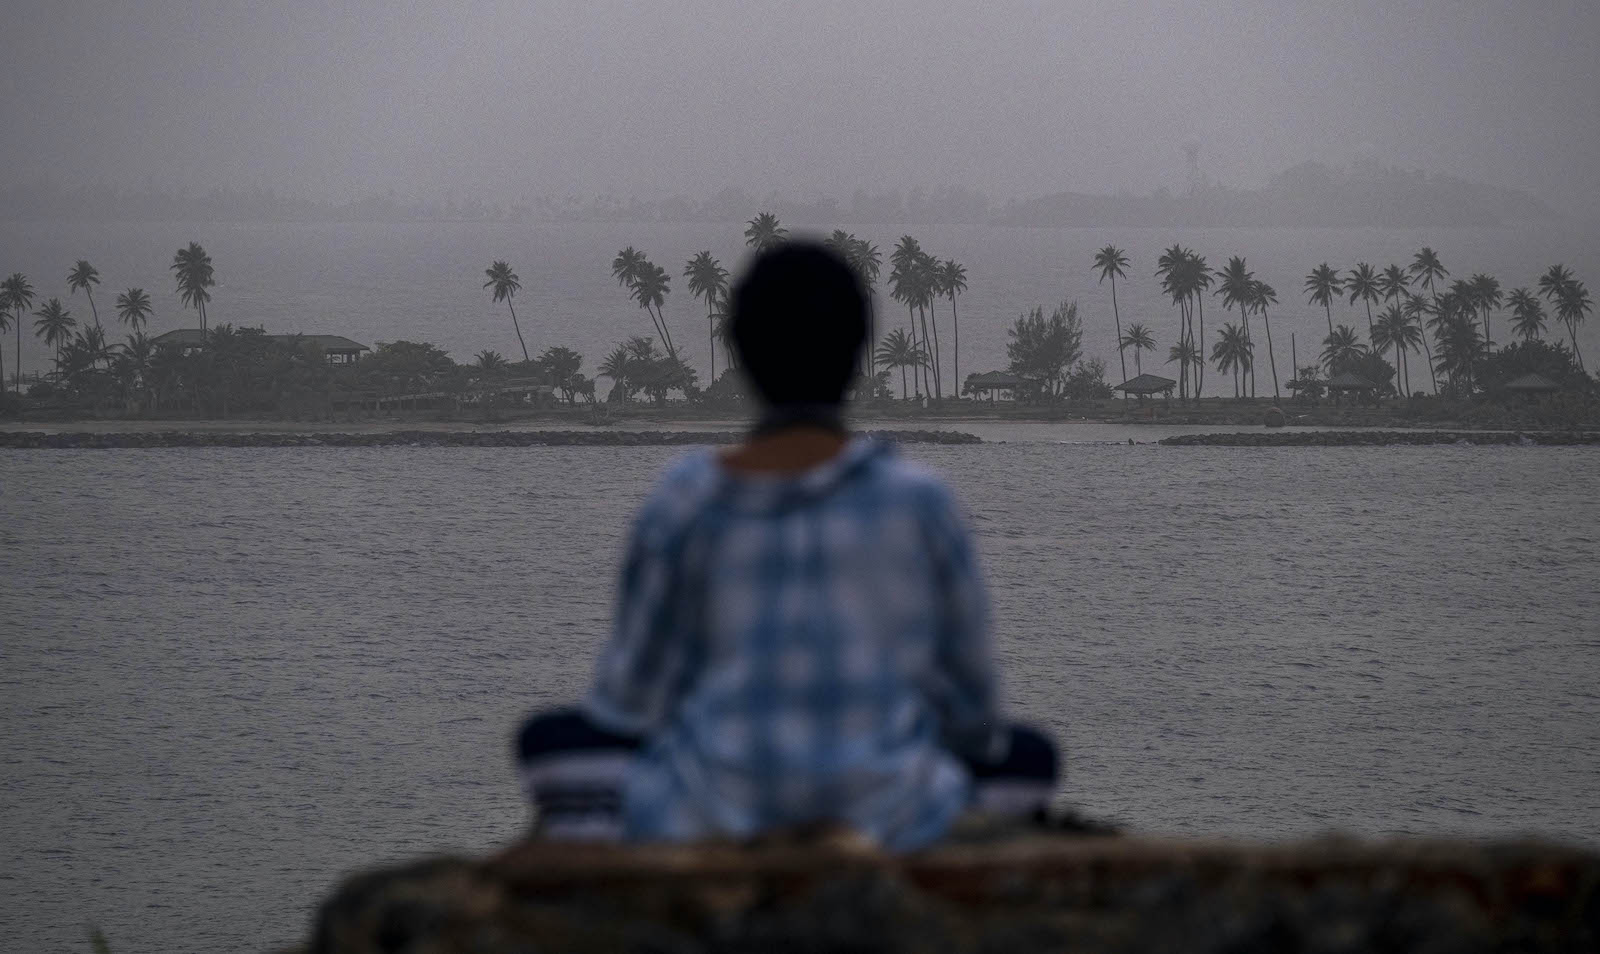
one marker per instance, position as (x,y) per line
(27,440)
(1383,438)
(1021,895)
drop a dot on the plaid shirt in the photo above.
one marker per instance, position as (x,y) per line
(799,649)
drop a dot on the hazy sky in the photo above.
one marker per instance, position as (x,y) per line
(521,98)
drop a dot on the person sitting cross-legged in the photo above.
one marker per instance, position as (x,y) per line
(800,636)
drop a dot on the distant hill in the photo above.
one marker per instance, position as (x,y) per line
(1310,194)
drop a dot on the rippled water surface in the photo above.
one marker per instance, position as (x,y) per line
(228,677)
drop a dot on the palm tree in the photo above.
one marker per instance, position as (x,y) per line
(1341,347)
(1184,276)
(133,307)
(55,325)
(194,275)
(16,296)
(133,364)
(85,276)
(1573,309)
(1261,296)
(900,350)
(490,362)
(952,277)
(617,366)
(1322,287)
(505,284)
(1238,289)
(1393,332)
(1184,354)
(1231,353)
(1139,339)
(763,232)
(627,265)
(1427,269)
(1111,262)
(908,285)
(1555,280)
(1363,286)
(868,263)
(650,288)
(1486,292)
(1392,284)
(1527,314)
(708,280)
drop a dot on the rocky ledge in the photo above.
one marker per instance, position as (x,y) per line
(27,440)
(1382,438)
(1018,895)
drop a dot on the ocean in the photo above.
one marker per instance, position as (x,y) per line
(229,678)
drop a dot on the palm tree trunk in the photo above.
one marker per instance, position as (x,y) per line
(919,372)
(711,338)
(92,310)
(1369,318)
(1272,359)
(1327,309)
(1200,379)
(518,328)
(1244,321)
(1572,332)
(1122,355)
(903,389)
(938,386)
(955,323)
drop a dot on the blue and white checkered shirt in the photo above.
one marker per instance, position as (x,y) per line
(799,649)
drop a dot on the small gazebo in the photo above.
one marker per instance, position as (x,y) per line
(1147,384)
(992,381)
(1348,382)
(1533,386)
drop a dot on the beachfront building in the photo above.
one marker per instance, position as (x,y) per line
(338,349)
(1001,383)
(1533,387)
(1145,385)
(1348,382)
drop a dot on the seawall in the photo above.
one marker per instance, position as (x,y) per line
(1018,896)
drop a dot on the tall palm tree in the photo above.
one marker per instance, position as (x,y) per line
(55,325)
(1111,262)
(908,285)
(900,350)
(133,307)
(1573,308)
(650,288)
(764,231)
(1237,289)
(1418,311)
(1139,339)
(1183,354)
(1393,332)
(16,296)
(1527,314)
(952,282)
(1322,287)
(1486,292)
(505,285)
(85,276)
(1231,353)
(1262,296)
(868,263)
(194,275)
(1184,276)
(1427,269)
(708,280)
(1363,287)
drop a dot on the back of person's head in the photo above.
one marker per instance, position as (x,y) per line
(799,321)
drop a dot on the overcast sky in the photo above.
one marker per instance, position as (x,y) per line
(520,98)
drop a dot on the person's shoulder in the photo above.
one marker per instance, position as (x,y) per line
(912,483)
(679,495)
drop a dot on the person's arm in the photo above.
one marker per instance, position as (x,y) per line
(967,695)
(652,652)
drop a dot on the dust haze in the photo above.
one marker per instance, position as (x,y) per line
(518,99)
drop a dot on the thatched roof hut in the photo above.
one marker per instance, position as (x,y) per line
(1349,381)
(1534,383)
(1146,384)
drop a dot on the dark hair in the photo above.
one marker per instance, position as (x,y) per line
(799,321)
